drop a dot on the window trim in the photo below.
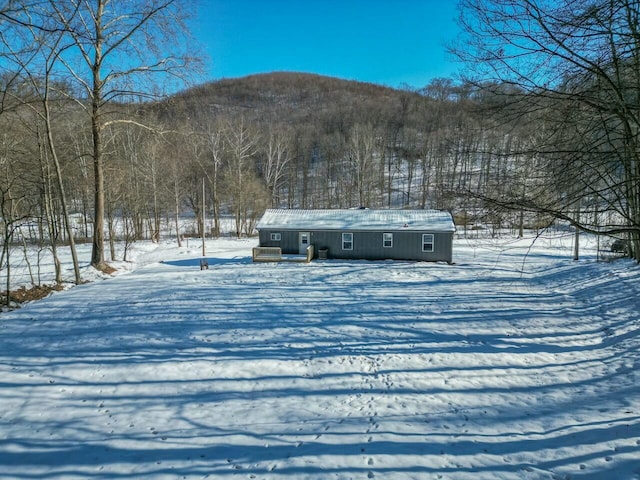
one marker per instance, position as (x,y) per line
(387,238)
(347,242)
(276,236)
(426,242)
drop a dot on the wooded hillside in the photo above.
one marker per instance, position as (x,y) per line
(293,140)
(309,141)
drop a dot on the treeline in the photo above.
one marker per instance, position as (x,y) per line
(277,140)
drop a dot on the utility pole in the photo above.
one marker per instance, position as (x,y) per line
(576,244)
(203,221)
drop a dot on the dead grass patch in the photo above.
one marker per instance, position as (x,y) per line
(24,294)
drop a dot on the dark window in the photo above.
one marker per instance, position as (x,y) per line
(347,241)
(387,240)
(427,242)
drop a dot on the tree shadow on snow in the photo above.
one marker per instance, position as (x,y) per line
(294,371)
(211,261)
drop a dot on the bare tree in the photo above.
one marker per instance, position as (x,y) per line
(361,156)
(576,66)
(215,142)
(276,156)
(18,196)
(113,51)
(241,173)
(31,52)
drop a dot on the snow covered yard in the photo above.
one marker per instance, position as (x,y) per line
(514,363)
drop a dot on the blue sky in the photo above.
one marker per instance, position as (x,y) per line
(390,42)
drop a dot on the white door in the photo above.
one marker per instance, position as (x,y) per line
(303,242)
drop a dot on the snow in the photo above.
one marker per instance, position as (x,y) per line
(514,363)
(357,219)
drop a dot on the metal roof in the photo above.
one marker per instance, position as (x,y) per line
(357,219)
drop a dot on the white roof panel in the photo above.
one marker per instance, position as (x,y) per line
(357,219)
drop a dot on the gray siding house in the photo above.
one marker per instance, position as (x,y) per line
(423,235)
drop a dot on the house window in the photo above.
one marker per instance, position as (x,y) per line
(427,242)
(347,241)
(276,237)
(387,240)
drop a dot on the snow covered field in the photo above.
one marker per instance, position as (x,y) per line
(514,363)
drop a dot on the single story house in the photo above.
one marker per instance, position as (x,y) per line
(423,235)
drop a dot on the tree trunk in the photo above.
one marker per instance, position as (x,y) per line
(60,182)
(177,218)
(97,252)
(576,245)
(48,212)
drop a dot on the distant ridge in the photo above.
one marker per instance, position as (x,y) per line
(290,94)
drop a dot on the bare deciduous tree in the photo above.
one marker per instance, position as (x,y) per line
(241,173)
(576,66)
(114,51)
(275,159)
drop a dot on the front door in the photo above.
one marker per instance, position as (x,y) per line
(303,242)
